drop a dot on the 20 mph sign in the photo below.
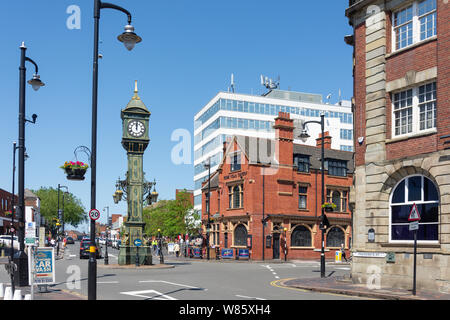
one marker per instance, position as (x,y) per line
(94,214)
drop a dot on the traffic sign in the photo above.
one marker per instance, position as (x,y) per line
(413,225)
(414,214)
(94,214)
(138,242)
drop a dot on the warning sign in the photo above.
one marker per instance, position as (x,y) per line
(414,214)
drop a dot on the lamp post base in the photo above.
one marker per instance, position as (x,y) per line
(21,273)
(127,256)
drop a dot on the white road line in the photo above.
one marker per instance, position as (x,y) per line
(172,283)
(149,294)
(107,282)
(246,297)
(111,255)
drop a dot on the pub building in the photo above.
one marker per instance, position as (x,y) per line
(266,195)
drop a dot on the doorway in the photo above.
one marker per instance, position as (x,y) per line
(276,246)
(226,240)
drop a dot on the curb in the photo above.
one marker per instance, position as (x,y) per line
(132,266)
(353,292)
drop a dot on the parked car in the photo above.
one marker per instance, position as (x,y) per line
(5,240)
(85,252)
(69,240)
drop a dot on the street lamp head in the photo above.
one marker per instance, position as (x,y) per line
(304,135)
(36,82)
(129,38)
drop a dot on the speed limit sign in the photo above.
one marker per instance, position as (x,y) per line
(94,214)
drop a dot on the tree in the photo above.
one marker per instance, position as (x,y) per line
(173,217)
(74,211)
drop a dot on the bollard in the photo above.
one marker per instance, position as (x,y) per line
(17,295)
(2,290)
(27,297)
(8,294)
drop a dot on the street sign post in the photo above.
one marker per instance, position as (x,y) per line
(137,243)
(414,218)
(94,214)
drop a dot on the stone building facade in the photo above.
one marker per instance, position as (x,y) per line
(402,140)
(266,196)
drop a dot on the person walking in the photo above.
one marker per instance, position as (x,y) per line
(176,248)
(343,252)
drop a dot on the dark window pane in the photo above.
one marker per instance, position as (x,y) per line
(430,191)
(415,188)
(301,237)
(400,214)
(240,236)
(425,232)
(428,212)
(335,237)
(399,193)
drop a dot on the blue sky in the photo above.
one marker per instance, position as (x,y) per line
(189,50)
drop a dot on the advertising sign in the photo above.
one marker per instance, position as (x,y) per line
(226,253)
(44,265)
(197,252)
(244,253)
(30,233)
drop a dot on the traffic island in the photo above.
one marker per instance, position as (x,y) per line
(133,266)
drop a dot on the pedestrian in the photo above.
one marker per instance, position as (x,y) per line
(176,248)
(52,242)
(343,252)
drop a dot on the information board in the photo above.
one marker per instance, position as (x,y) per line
(226,253)
(44,265)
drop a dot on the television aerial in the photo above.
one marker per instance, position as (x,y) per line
(269,83)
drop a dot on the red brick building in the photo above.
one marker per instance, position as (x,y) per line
(402,131)
(279,182)
(5,209)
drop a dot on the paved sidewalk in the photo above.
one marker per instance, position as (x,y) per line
(344,285)
(51,294)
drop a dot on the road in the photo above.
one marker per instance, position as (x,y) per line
(189,279)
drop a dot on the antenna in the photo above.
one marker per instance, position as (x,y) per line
(328,98)
(232,83)
(269,83)
(340,97)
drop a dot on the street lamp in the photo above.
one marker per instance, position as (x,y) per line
(161,255)
(129,38)
(208,206)
(107,229)
(285,244)
(22,259)
(11,257)
(304,136)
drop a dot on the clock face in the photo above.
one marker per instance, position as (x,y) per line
(136,128)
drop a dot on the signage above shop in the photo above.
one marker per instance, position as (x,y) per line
(235,175)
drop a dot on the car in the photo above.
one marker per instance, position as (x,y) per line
(69,240)
(5,240)
(116,244)
(85,250)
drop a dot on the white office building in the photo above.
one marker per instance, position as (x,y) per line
(229,114)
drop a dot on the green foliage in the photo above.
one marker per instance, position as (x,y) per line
(173,217)
(74,212)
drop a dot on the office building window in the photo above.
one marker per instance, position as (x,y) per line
(414,110)
(422,192)
(236,161)
(414,23)
(302,197)
(336,167)
(301,162)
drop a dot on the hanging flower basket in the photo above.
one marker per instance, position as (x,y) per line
(75,170)
(329,207)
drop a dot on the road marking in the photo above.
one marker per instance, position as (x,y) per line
(172,283)
(111,255)
(246,297)
(148,294)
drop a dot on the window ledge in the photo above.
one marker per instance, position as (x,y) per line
(410,47)
(234,209)
(302,248)
(303,210)
(412,136)
(410,245)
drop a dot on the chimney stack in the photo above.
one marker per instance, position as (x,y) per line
(327,140)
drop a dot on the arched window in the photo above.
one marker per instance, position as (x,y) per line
(301,237)
(240,235)
(412,190)
(335,237)
(236,196)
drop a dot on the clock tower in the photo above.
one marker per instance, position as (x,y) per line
(135,139)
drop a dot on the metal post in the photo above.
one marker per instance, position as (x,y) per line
(415,263)
(57,227)
(107,228)
(11,258)
(22,259)
(322,253)
(208,226)
(92,269)
(263,222)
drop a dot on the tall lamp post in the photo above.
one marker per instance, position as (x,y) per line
(36,83)
(208,207)
(161,255)
(11,257)
(304,136)
(107,229)
(129,38)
